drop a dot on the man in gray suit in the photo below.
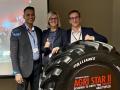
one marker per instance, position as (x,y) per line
(25,48)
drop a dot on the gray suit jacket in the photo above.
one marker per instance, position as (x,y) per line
(21,50)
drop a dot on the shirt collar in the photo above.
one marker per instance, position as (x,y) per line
(33,28)
(77,31)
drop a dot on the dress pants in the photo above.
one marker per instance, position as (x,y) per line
(33,79)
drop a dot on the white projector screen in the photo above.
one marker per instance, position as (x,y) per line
(11,16)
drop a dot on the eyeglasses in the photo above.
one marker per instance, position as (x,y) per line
(52,19)
(72,18)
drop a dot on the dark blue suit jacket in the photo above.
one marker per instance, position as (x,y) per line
(90,32)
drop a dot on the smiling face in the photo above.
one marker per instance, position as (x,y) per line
(29,16)
(53,21)
(74,19)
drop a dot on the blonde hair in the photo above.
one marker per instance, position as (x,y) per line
(51,13)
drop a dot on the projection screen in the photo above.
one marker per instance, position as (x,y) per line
(11,16)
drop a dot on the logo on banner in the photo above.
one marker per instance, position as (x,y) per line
(98,82)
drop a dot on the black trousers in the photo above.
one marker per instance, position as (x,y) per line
(33,79)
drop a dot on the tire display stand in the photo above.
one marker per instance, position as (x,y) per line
(83,65)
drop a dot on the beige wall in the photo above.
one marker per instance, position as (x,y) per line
(41,12)
(102,15)
(116,24)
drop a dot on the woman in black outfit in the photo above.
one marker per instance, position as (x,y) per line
(53,38)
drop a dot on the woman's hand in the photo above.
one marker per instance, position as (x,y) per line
(55,50)
(47,44)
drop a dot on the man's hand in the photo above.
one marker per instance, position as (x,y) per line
(88,37)
(19,78)
(55,50)
(47,44)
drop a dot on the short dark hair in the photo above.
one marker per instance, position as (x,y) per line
(29,8)
(74,11)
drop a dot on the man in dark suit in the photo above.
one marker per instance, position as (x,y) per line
(81,33)
(25,48)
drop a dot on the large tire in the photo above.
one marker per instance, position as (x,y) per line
(84,65)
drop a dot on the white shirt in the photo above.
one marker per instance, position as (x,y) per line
(75,36)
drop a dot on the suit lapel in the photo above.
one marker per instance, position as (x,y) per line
(25,35)
(69,35)
(46,35)
(83,33)
(37,34)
